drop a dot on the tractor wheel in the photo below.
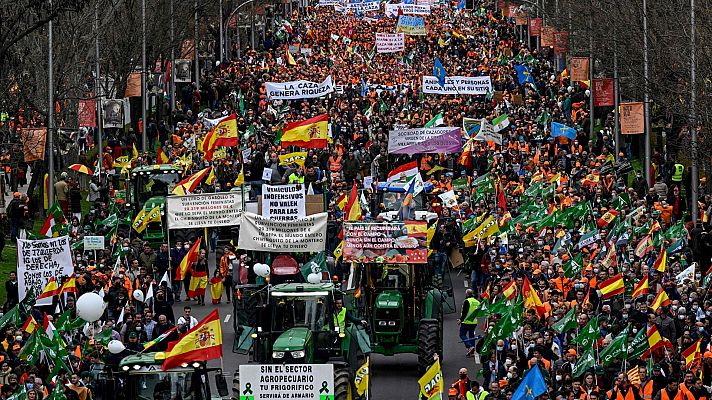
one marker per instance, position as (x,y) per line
(342,383)
(236,385)
(429,342)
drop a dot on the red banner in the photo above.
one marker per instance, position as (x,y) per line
(603,92)
(561,42)
(87,113)
(535,27)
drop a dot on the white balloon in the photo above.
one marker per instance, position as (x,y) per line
(138,295)
(588,92)
(116,347)
(314,278)
(90,307)
(262,270)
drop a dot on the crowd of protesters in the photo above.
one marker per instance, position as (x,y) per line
(378,91)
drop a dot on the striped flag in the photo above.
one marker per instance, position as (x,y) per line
(692,354)
(661,299)
(510,290)
(641,288)
(50,290)
(634,376)
(661,263)
(612,286)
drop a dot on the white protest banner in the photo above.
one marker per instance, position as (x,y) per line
(40,260)
(448,198)
(298,89)
(323,3)
(302,235)
(415,9)
(390,42)
(424,140)
(283,202)
(307,51)
(414,26)
(487,133)
(458,85)
(93,243)
(287,381)
(358,7)
(203,210)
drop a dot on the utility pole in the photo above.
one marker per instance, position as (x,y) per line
(144,121)
(97,89)
(646,77)
(693,116)
(591,109)
(222,37)
(172,83)
(616,99)
(195,46)
(50,114)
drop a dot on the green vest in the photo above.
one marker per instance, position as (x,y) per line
(294,178)
(470,317)
(340,319)
(471,396)
(677,177)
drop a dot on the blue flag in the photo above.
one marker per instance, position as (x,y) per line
(461,5)
(524,73)
(558,129)
(532,385)
(439,72)
(363,88)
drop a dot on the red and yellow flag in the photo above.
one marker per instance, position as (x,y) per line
(188,260)
(290,57)
(661,299)
(30,325)
(50,290)
(510,290)
(531,299)
(70,286)
(612,286)
(641,288)
(661,262)
(202,343)
(692,354)
(190,183)
(655,341)
(310,134)
(161,157)
(607,218)
(353,208)
(223,134)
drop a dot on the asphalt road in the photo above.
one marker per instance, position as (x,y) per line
(393,378)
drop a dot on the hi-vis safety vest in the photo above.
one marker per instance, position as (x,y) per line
(340,319)
(469,318)
(681,395)
(472,396)
(677,176)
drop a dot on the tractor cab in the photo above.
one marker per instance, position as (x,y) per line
(389,199)
(140,376)
(148,187)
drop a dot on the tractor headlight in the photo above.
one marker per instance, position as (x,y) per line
(382,323)
(136,367)
(391,323)
(277,354)
(298,354)
(125,368)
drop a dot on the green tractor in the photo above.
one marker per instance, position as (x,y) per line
(140,377)
(293,323)
(404,310)
(147,188)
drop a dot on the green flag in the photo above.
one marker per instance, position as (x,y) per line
(676,231)
(499,307)
(21,394)
(568,322)
(550,220)
(574,266)
(638,345)
(12,317)
(482,310)
(616,349)
(241,104)
(65,323)
(104,336)
(587,361)
(110,221)
(316,265)
(588,335)
(436,121)
(621,201)
(57,393)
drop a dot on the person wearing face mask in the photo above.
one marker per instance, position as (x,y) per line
(623,390)
(666,325)
(513,378)
(177,254)
(493,370)
(461,385)
(468,322)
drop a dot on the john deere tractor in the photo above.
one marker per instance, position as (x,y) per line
(294,324)
(404,310)
(140,377)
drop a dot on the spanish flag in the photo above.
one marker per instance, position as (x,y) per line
(290,58)
(655,341)
(612,286)
(70,286)
(189,184)
(353,208)
(692,354)
(310,134)
(198,284)
(661,299)
(161,157)
(661,262)
(202,343)
(216,288)
(641,288)
(510,290)
(607,218)
(50,290)
(223,134)
(531,299)
(188,259)
(30,325)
